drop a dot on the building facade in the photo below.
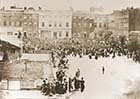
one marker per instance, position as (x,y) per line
(101,22)
(55,24)
(30,22)
(122,22)
(10,19)
(82,24)
(19,21)
(59,24)
(111,23)
(134,19)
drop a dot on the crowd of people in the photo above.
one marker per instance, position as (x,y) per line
(62,84)
(103,48)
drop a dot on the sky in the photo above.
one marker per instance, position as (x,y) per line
(108,5)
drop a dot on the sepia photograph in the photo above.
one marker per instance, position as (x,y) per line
(69,49)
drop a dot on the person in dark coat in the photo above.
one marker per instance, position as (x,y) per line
(47,92)
(57,87)
(70,85)
(76,83)
(5,56)
(61,89)
(82,84)
(77,74)
(113,55)
(65,85)
(96,57)
(43,87)
(90,56)
(51,90)
(103,70)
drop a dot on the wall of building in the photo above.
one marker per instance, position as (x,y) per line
(119,22)
(101,22)
(111,23)
(23,70)
(27,20)
(26,72)
(55,24)
(82,25)
(30,22)
(134,19)
(11,20)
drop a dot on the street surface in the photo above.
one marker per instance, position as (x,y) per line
(121,76)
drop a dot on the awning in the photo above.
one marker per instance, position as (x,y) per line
(10,29)
(12,40)
(35,57)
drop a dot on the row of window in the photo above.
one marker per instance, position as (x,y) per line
(101,25)
(6,23)
(100,18)
(56,34)
(83,18)
(12,16)
(25,17)
(85,24)
(56,16)
(91,18)
(9,23)
(55,24)
(28,17)
(30,23)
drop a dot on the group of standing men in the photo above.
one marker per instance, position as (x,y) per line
(62,83)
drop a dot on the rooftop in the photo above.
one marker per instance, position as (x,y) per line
(11,39)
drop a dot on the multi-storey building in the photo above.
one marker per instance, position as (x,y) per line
(134,19)
(23,21)
(82,24)
(30,22)
(111,23)
(101,22)
(121,22)
(55,24)
(100,19)
(60,24)
(10,20)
